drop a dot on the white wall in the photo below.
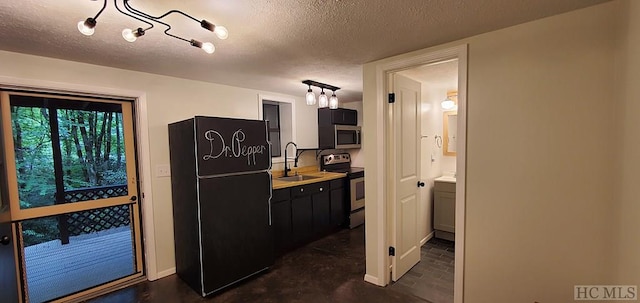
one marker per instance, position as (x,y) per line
(169,100)
(627,150)
(540,173)
(432,126)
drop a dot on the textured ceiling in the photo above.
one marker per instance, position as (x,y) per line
(272,45)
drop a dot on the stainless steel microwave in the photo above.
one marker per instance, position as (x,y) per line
(339,136)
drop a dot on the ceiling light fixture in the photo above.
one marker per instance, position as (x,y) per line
(449,103)
(131,35)
(310,97)
(323,100)
(333,101)
(87,27)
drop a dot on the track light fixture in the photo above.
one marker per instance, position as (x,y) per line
(87,27)
(323,100)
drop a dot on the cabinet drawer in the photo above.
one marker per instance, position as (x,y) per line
(309,189)
(281,194)
(337,183)
(444,186)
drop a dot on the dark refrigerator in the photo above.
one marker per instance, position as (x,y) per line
(221,191)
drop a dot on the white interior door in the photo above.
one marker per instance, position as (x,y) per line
(405,150)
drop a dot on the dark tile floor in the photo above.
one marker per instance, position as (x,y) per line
(328,270)
(432,278)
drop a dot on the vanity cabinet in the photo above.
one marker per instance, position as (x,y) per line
(444,210)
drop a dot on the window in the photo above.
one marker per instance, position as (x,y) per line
(271,114)
(282,109)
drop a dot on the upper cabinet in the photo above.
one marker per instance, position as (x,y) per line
(340,116)
(337,129)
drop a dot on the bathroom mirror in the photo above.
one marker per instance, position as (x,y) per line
(449,130)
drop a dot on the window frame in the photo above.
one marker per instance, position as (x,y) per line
(274,129)
(287,107)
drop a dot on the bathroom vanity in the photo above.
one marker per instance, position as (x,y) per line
(444,207)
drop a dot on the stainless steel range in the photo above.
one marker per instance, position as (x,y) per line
(342,163)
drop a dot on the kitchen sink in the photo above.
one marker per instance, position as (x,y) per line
(297,178)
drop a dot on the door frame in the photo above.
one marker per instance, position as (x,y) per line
(376,113)
(142,150)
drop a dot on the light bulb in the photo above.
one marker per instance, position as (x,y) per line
(221,32)
(128,35)
(448,104)
(310,97)
(208,47)
(333,101)
(87,27)
(323,101)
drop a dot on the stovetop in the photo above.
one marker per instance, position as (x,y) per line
(341,163)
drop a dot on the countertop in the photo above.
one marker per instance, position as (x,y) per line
(322,176)
(449,179)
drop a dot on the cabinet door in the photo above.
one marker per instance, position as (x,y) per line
(282,226)
(321,211)
(237,239)
(444,209)
(338,214)
(302,219)
(349,117)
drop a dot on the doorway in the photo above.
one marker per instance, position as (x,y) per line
(432,278)
(379,160)
(71,173)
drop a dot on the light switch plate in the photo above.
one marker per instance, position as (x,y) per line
(163,170)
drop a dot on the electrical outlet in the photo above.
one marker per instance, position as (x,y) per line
(163,170)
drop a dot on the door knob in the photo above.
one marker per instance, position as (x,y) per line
(420,184)
(5,240)
(133,198)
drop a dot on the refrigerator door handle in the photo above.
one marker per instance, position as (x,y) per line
(270,197)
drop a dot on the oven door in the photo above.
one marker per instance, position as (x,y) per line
(357,193)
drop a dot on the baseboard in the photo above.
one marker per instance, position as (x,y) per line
(373,280)
(427,238)
(166,273)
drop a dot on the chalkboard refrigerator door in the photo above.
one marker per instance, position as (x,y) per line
(228,146)
(236,235)
(221,200)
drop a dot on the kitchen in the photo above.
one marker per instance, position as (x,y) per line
(237,231)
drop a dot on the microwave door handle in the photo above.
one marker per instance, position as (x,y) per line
(358,138)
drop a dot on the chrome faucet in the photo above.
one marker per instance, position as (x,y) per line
(286,169)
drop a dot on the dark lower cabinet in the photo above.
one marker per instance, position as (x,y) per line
(301,214)
(321,211)
(281,220)
(302,219)
(338,196)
